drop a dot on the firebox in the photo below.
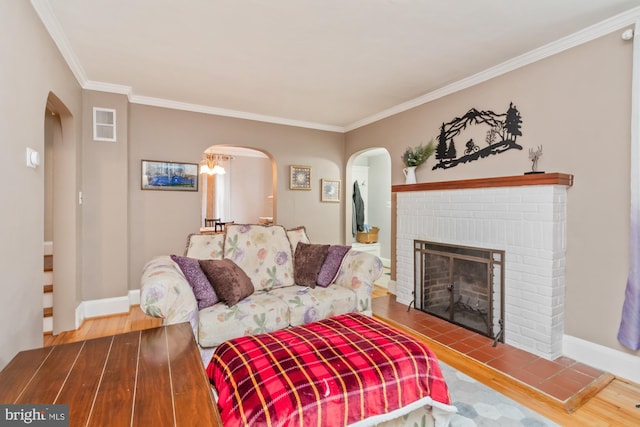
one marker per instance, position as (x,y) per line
(461,284)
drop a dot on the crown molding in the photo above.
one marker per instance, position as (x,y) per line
(176,105)
(45,12)
(51,23)
(588,34)
(108,87)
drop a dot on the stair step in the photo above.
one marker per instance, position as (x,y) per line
(48,312)
(47,325)
(48,263)
(47,289)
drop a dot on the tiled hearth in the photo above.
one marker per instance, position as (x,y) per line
(562,382)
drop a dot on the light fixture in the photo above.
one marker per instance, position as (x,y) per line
(210,164)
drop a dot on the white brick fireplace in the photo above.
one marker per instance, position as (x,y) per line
(525,216)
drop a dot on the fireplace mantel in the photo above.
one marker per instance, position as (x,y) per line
(524,216)
(553,178)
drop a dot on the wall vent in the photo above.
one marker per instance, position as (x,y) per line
(104,124)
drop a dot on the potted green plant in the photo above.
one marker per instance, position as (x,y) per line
(414,157)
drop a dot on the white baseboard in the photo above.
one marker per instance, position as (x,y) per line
(134,297)
(618,363)
(106,306)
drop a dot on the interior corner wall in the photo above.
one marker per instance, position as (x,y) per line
(105,201)
(160,221)
(577,105)
(32,69)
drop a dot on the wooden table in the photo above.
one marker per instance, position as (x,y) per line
(153,377)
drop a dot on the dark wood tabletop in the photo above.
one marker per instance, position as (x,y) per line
(149,377)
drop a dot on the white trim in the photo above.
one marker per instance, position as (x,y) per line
(590,33)
(618,363)
(134,297)
(108,87)
(79,316)
(47,248)
(106,306)
(111,127)
(45,12)
(177,105)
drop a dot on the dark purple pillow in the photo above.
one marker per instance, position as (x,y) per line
(202,289)
(230,282)
(331,264)
(307,261)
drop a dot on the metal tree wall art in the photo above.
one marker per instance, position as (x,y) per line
(500,135)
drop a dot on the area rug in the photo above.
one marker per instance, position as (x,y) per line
(481,406)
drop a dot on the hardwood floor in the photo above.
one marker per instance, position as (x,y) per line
(615,405)
(98,327)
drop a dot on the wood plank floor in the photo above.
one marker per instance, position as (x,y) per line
(613,406)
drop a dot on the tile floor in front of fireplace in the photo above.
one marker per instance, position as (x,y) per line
(561,378)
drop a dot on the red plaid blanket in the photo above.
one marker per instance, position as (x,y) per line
(334,372)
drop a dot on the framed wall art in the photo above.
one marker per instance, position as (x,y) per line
(330,190)
(300,177)
(157,175)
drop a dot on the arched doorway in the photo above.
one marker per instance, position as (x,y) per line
(61,210)
(245,192)
(370,170)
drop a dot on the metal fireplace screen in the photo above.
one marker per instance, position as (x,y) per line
(461,284)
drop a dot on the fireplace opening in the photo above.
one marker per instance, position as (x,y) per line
(461,284)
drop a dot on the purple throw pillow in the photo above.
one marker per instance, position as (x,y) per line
(202,289)
(331,265)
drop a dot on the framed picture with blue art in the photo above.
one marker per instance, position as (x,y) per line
(330,190)
(175,176)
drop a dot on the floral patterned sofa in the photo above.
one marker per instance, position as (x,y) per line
(266,255)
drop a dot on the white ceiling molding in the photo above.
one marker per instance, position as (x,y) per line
(176,105)
(45,12)
(588,34)
(48,18)
(108,87)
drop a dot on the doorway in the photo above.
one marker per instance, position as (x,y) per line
(245,191)
(61,211)
(370,172)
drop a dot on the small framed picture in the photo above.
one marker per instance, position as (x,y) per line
(300,177)
(330,190)
(169,176)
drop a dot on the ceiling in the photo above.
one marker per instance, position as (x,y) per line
(326,64)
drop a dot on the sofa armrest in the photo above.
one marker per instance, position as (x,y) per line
(358,272)
(165,293)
